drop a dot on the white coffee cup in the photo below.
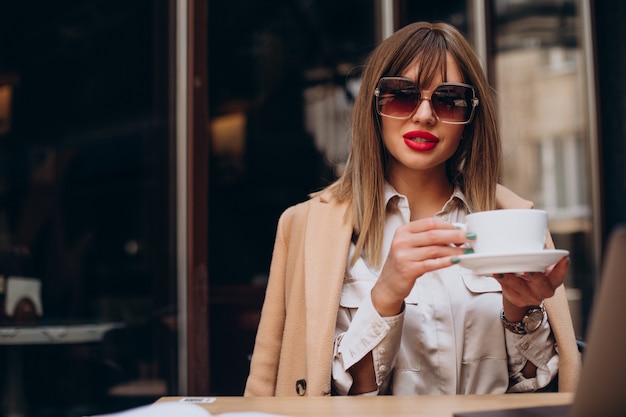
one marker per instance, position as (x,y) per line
(510,231)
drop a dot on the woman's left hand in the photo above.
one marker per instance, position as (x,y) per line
(529,289)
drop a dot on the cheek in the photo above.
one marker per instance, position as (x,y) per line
(455,131)
(390,131)
(454,134)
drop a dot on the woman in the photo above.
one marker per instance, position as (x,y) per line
(364,295)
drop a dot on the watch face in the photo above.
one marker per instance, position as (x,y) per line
(533,320)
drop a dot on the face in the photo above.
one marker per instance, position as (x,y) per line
(422,144)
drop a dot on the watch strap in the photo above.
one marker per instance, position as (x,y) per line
(519,327)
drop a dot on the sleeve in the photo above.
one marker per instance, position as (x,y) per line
(359,331)
(537,347)
(267,347)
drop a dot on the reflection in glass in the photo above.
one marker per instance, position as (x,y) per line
(539,79)
(85,206)
(282,76)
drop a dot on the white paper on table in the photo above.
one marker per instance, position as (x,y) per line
(180,409)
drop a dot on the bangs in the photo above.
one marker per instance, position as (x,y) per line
(429,48)
(432,64)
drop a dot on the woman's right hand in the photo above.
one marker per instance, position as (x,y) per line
(417,247)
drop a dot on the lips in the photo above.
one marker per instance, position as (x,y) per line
(420,141)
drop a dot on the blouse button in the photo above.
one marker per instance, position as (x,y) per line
(382,368)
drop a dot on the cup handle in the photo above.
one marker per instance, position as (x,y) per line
(460,226)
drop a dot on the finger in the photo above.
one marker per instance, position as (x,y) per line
(433,231)
(556,274)
(439,263)
(439,255)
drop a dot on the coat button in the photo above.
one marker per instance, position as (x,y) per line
(301,387)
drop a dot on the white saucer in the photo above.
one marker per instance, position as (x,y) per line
(511,263)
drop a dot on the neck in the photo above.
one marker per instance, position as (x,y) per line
(426,192)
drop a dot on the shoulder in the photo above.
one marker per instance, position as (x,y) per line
(321,204)
(323,200)
(506,198)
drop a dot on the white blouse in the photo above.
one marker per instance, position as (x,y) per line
(448,340)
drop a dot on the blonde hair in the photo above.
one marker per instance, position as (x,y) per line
(475,166)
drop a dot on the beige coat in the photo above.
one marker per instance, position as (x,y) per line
(293,351)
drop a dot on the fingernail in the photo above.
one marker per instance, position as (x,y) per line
(499,276)
(471,236)
(455,260)
(468,250)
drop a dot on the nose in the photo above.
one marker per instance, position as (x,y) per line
(424,112)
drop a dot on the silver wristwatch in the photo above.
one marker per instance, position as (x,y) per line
(530,322)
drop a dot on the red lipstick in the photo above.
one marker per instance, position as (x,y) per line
(420,141)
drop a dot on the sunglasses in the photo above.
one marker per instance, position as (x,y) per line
(399,97)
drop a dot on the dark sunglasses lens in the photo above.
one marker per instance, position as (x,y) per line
(453,103)
(397,98)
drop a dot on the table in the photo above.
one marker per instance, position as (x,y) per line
(387,406)
(52,333)
(55,333)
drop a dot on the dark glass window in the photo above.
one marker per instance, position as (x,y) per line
(85,203)
(280,99)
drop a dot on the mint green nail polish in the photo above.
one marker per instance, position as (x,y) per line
(471,236)
(468,250)
(455,260)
